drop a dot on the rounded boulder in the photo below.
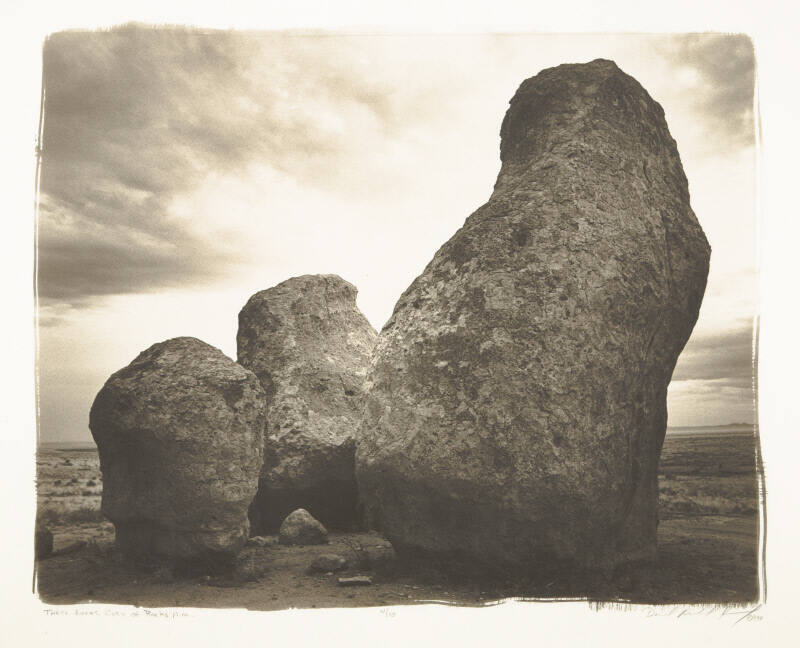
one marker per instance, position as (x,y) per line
(180,434)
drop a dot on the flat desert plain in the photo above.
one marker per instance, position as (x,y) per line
(707,546)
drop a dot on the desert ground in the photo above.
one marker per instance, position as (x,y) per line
(707,547)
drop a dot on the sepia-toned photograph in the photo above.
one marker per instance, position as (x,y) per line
(337,319)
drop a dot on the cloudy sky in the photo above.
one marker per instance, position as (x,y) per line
(184,170)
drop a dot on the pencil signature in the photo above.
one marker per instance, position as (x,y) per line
(737,615)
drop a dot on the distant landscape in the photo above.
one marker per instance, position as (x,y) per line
(728,428)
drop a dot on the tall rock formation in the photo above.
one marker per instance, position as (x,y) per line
(310,346)
(180,432)
(517,404)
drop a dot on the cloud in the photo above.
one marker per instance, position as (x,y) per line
(719,72)
(709,402)
(112,157)
(722,356)
(137,117)
(713,380)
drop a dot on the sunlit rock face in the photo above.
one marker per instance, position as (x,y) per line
(180,433)
(516,402)
(310,347)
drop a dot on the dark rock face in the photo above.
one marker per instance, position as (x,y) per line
(517,404)
(43,543)
(301,528)
(180,433)
(310,346)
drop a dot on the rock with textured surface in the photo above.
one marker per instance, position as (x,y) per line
(517,397)
(327,563)
(180,433)
(310,346)
(301,528)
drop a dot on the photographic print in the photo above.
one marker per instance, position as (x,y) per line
(350,319)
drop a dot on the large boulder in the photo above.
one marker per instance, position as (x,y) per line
(310,346)
(517,404)
(180,433)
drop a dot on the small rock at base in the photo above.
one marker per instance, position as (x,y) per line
(376,554)
(301,528)
(380,557)
(327,563)
(355,581)
(71,548)
(262,541)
